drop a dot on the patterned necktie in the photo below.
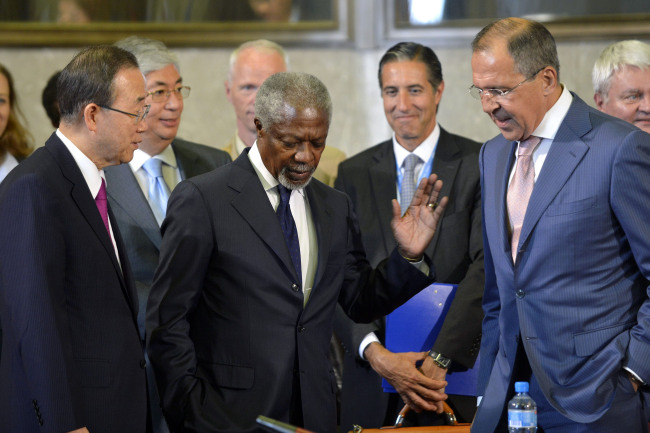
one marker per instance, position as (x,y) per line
(520,189)
(158,189)
(288,226)
(408,182)
(102,206)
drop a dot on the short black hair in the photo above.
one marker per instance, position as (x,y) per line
(405,51)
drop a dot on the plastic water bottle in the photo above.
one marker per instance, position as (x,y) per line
(522,411)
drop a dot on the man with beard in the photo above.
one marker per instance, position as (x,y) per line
(253,261)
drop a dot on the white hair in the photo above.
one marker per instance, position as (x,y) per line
(614,58)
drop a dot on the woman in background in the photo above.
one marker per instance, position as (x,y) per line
(15,141)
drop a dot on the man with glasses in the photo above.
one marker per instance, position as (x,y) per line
(411,84)
(138,192)
(567,259)
(72,358)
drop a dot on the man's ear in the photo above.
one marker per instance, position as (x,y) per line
(226,85)
(549,77)
(259,126)
(91,113)
(599,100)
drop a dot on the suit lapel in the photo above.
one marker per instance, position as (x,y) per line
(445,165)
(252,203)
(563,157)
(125,192)
(86,204)
(383,181)
(504,160)
(130,290)
(187,161)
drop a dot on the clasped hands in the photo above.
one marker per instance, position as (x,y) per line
(413,231)
(421,389)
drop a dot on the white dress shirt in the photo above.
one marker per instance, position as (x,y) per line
(424,151)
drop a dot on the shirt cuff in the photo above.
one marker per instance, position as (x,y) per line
(422,266)
(370,338)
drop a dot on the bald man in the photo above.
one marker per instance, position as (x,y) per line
(250,64)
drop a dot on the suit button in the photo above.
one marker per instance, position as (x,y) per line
(301,328)
(143,363)
(520,294)
(295,287)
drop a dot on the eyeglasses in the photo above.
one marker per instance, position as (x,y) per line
(138,117)
(477,93)
(162,95)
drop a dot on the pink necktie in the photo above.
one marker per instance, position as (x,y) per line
(520,189)
(102,206)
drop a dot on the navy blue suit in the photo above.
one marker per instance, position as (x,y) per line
(71,355)
(576,301)
(228,333)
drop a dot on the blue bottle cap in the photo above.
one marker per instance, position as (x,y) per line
(521,386)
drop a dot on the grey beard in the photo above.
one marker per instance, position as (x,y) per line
(284,181)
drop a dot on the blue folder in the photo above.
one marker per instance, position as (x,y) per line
(414,327)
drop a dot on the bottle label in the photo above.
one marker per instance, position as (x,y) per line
(522,418)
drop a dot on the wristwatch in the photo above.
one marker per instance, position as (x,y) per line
(440,360)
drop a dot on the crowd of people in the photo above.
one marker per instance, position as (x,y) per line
(151,284)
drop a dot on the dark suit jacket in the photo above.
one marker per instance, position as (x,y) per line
(579,304)
(135,218)
(71,355)
(142,234)
(227,332)
(370,179)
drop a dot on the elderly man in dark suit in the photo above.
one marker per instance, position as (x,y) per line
(255,256)
(411,83)
(72,359)
(567,259)
(134,193)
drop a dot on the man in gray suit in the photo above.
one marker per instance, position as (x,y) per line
(133,194)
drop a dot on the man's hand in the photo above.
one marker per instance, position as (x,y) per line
(432,371)
(417,390)
(414,231)
(80,430)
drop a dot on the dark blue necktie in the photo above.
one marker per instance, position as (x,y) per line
(288,226)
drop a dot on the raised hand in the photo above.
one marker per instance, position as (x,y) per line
(413,231)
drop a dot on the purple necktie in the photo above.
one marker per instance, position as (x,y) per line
(288,226)
(520,189)
(102,206)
